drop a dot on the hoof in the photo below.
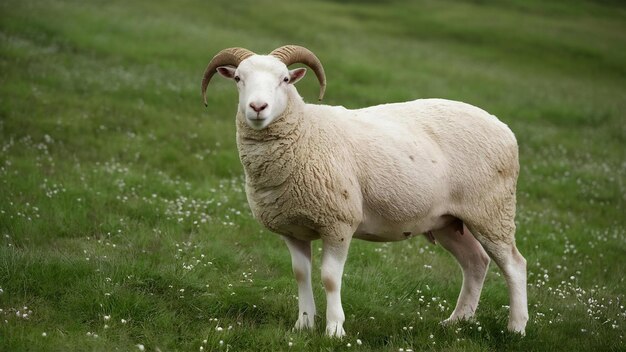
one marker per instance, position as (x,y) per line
(305,322)
(335,329)
(448,322)
(455,319)
(517,328)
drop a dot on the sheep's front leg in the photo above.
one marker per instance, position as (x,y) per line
(335,251)
(301,264)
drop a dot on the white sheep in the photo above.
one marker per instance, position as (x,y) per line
(383,173)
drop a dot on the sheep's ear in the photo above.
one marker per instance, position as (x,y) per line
(227,71)
(296,74)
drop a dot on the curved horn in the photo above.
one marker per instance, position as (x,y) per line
(291,54)
(230,56)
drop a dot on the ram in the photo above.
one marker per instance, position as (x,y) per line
(436,167)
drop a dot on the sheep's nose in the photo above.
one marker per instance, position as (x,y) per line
(258,107)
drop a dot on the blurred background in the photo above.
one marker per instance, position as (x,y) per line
(123,218)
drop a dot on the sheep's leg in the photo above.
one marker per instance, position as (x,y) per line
(474,262)
(335,251)
(513,266)
(504,253)
(301,264)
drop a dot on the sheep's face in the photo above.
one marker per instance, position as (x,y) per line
(263,83)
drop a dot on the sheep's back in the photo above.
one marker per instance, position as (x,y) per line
(419,158)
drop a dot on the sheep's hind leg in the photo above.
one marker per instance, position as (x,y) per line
(335,245)
(501,248)
(474,262)
(301,264)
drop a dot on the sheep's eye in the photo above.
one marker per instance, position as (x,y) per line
(286,79)
(237,79)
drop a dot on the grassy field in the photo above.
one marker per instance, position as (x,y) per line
(123,219)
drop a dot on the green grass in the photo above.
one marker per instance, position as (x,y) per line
(122,211)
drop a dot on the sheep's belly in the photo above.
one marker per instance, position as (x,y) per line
(378,229)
